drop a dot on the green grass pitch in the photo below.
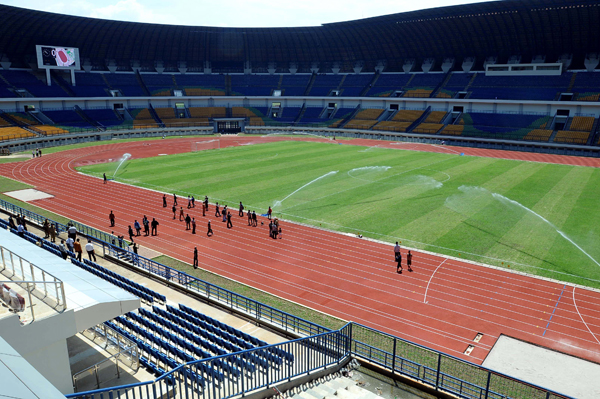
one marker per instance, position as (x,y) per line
(449,204)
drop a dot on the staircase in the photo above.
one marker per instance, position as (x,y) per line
(86,118)
(155,116)
(572,83)
(471,82)
(311,82)
(340,387)
(142,83)
(106,81)
(552,136)
(227,85)
(419,120)
(62,83)
(280,82)
(339,87)
(439,87)
(366,89)
(349,117)
(300,114)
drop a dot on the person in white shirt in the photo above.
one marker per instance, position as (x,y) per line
(20,230)
(89,247)
(70,244)
(72,232)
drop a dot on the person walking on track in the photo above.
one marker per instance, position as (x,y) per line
(229,224)
(174,199)
(217,212)
(206,202)
(181,218)
(409,261)
(249,218)
(195,257)
(111,218)
(146,224)
(399,260)
(209,232)
(105,179)
(164,200)
(189,202)
(138,228)
(174,212)
(396,250)
(193,225)
(154,227)
(241,213)
(269,213)
(193,202)
(188,221)
(254,219)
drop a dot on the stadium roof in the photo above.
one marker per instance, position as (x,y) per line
(524,28)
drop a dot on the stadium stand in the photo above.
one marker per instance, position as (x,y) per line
(90,85)
(288,114)
(428,128)
(323,84)
(294,85)
(387,84)
(126,83)
(546,88)
(142,118)
(587,86)
(572,137)
(504,126)
(365,119)
(353,85)
(28,81)
(159,84)
(106,117)
(312,115)
(422,85)
(253,85)
(14,133)
(201,85)
(67,119)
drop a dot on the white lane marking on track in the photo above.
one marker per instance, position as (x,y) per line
(429,282)
(586,326)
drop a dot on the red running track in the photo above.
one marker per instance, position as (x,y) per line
(443,304)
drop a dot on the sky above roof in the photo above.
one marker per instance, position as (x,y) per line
(233,13)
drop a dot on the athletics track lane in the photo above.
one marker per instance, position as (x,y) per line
(340,275)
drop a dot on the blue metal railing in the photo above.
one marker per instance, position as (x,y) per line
(193,380)
(319,350)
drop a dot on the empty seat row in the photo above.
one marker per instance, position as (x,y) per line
(148,291)
(142,295)
(183,344)
(274,354)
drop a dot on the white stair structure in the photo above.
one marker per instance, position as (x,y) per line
(337,388)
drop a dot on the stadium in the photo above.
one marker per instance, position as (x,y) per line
(464,138)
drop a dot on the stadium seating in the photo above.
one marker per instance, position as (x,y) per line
(208,112)
(90,85)
(392,126)
(406,115)
(311,115)
(323,85)
(142,118)
(105,117)
(288,114)
(201,85)
(13,133)
(501,126)
(587,86)
(67,119)
(294,85)
(159,84)
(582,123)
(546,88)
(364,119)
(428,128)
(353,85)
(23,118)
(28,81)
(253,85)
(423,84)
(435,117)
(387,84)
(127,83)
(571,137)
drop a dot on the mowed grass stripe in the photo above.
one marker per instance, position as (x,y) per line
(403,201)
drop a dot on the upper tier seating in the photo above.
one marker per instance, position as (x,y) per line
(323,85)
(208,112)
(354,84)
(289,114)
(582,123)
(26,80)
(142,118)
(201,85)
(539,88)
(364,119)
(127,83)
(294,85)
(428,128)
(159,84)
(407,115)
(423,84)
(254,85)
(386,84)
(14,132)
(90,85)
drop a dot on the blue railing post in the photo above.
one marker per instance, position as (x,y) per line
(487,386)
(437,374)
(394,358)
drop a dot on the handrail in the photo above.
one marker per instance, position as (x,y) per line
(93,369)
(61,300)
